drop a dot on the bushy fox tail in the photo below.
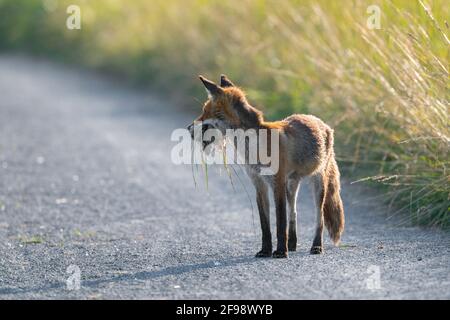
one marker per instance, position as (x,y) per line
(333,209)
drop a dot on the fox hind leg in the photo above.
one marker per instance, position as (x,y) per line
(319,198)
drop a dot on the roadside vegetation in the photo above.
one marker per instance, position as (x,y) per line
(385,91)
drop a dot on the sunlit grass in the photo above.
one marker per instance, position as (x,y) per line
(36,239)
(385,92)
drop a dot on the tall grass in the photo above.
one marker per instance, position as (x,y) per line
(386,91)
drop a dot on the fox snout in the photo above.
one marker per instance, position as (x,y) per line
(191,130)
(204,127)
(196,128)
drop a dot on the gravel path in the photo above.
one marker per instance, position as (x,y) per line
(86,180)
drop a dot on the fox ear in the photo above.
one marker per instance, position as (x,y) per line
(225,82)
(211,88)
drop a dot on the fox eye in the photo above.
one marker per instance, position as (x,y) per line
(220,116)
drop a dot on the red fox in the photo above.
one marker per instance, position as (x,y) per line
(305,149)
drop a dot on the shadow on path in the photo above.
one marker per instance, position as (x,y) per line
(142,275)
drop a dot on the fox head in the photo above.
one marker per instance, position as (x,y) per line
(226,108)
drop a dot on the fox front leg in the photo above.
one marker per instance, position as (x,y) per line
(262,199)
(282,231)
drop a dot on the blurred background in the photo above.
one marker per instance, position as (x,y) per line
(384,90)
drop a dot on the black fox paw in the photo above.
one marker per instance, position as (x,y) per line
(316,250)
(292,246)
(280,254)
(263,254)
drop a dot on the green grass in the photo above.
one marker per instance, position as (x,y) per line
(36,239)
(83,234)
(386,92)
